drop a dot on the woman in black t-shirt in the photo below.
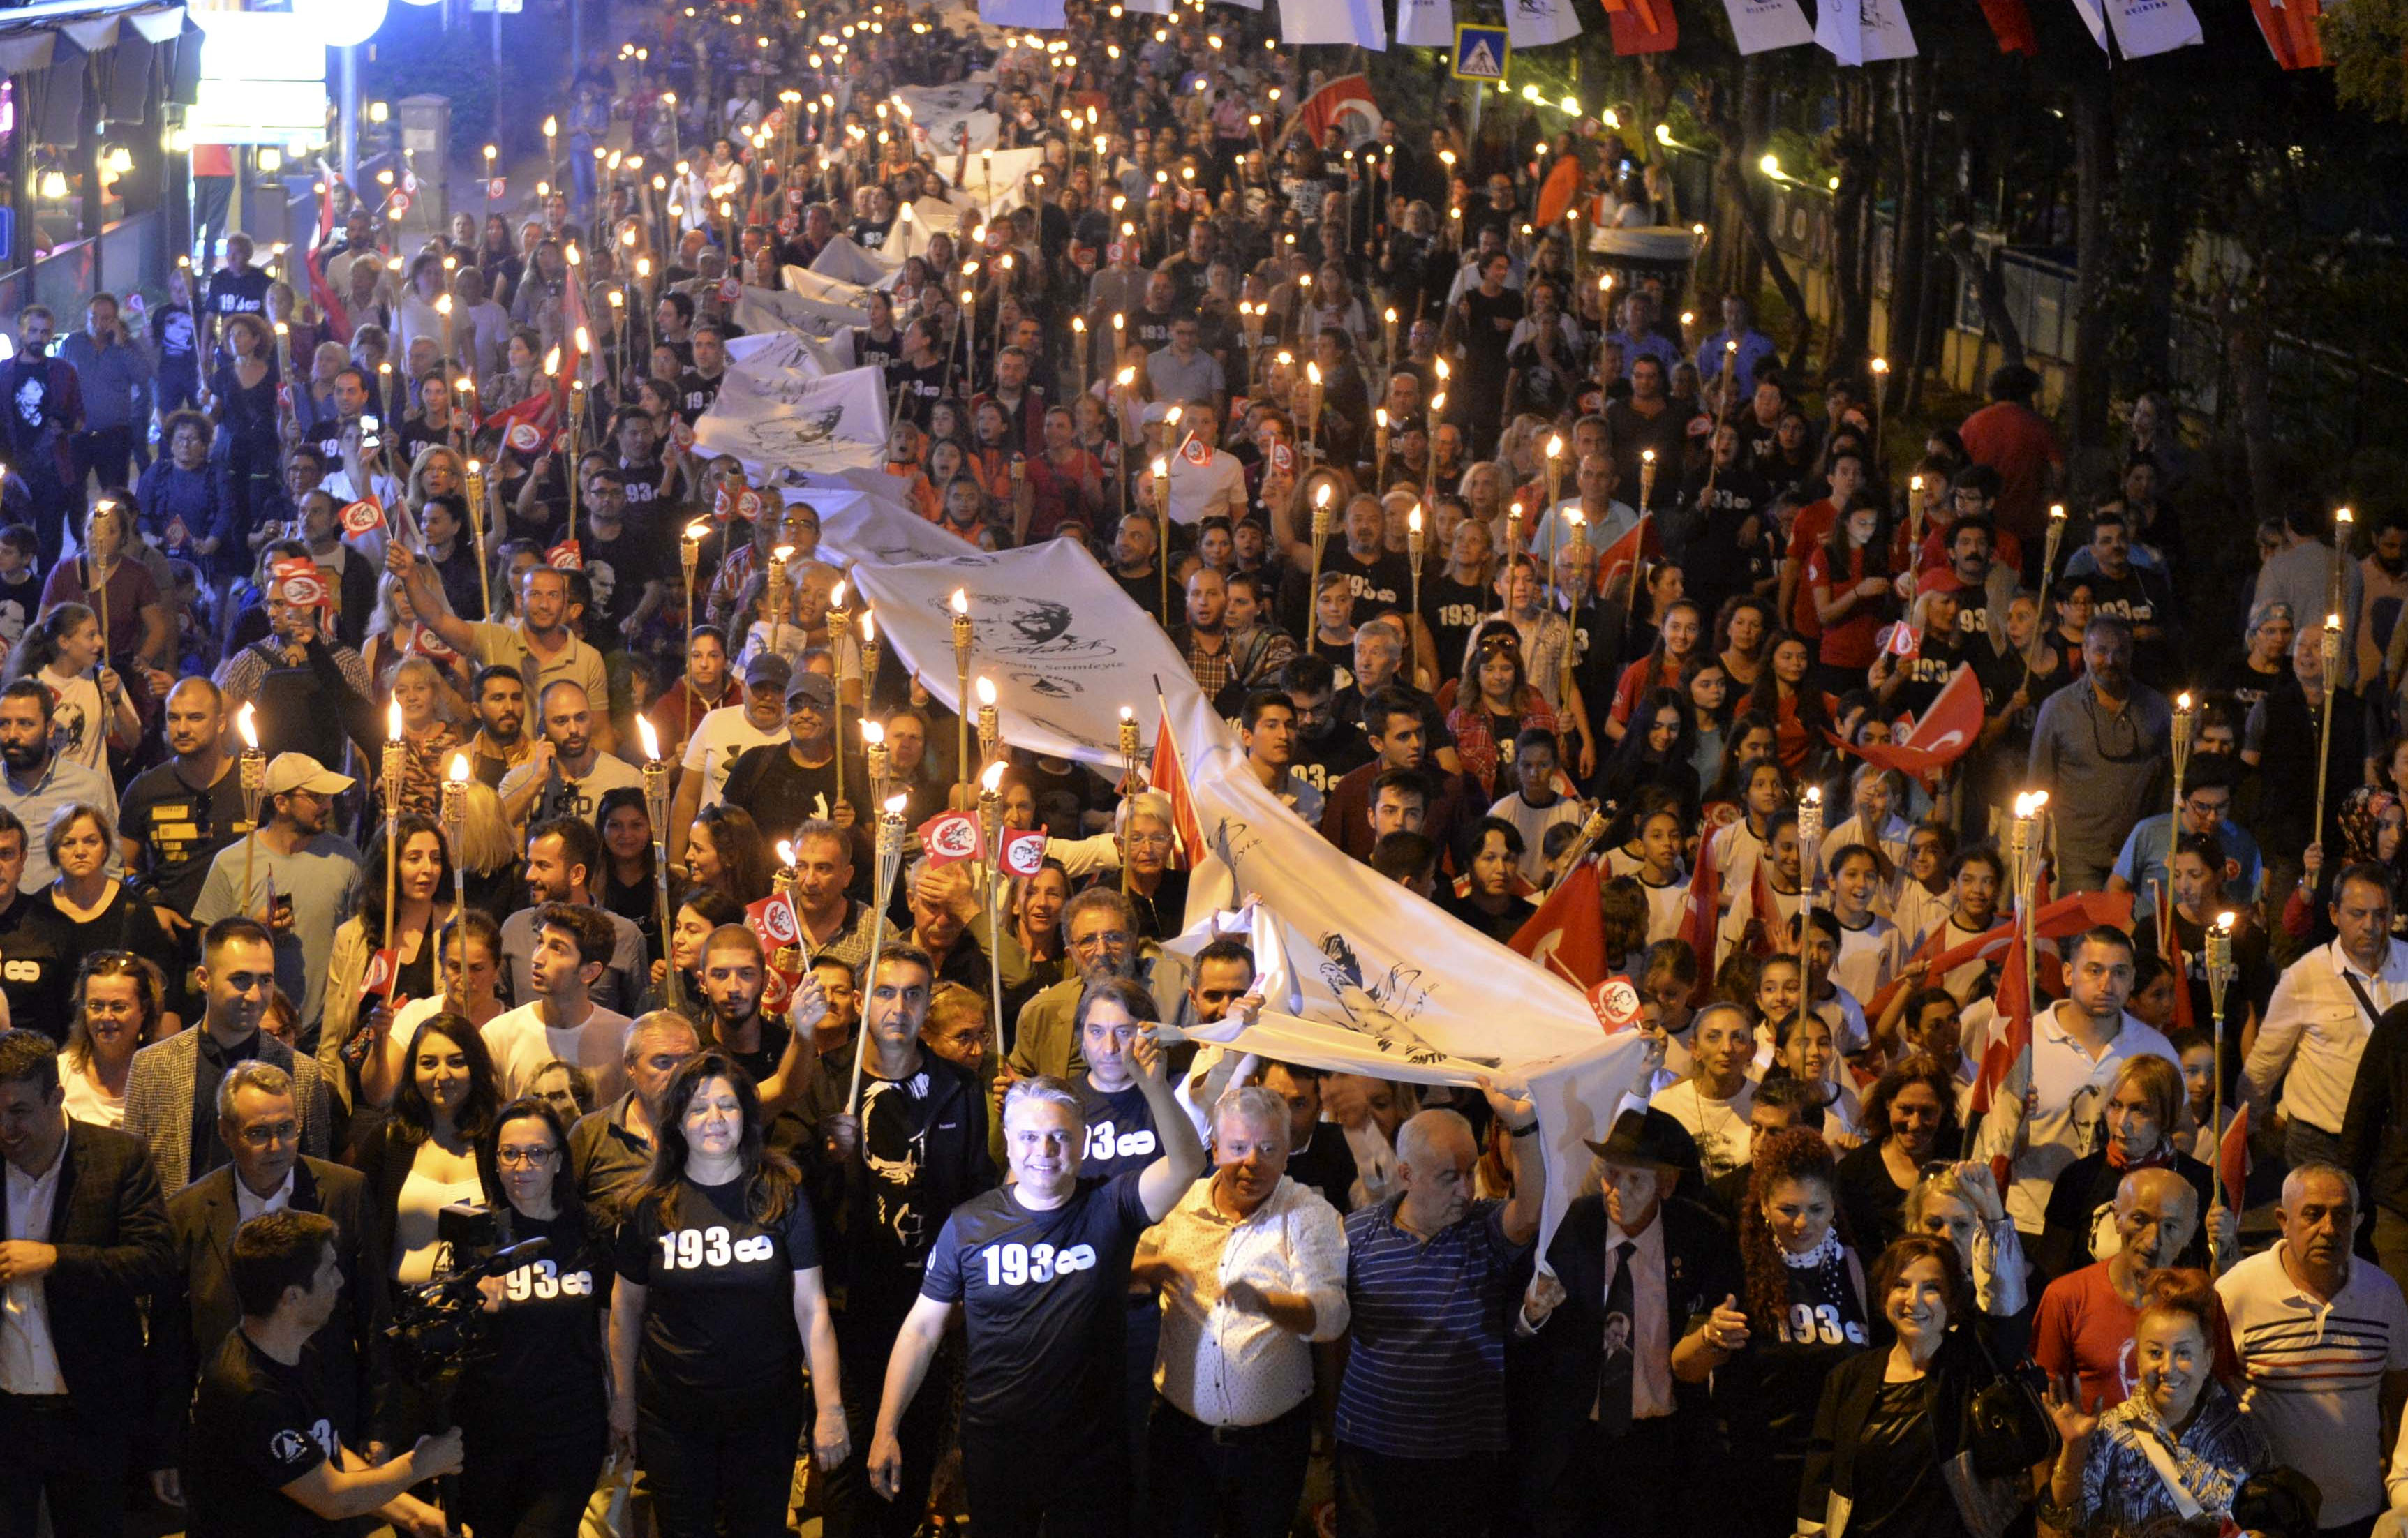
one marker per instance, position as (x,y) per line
(720,1300)
(535,1410)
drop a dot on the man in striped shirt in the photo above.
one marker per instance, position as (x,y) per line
(1431,1289)
(2323,1342)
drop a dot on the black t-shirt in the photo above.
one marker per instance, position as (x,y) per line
(897,1190)
(619,564)
(920,387)
(21,600)
(695,394)
(182,828)
(1452,610)
(545,1374)
(719,1306)
(1784,1366)
(1382,583)
(643,485)
(37,972)
(871,235)
(1120,1131)
(781,794)
(257,1425)
(232,293)
(1487,326)
(1043,1295)
(869,353)
(1322,764)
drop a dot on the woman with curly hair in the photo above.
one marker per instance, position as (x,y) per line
(1804,1312)
(2170,1457)
(1495,703)
(1908,1120)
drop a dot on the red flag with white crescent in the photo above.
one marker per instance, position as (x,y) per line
(1169,776)
(1700,912)
(1944,736)
(1567,935)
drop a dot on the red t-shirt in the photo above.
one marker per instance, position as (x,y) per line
(1813,525)
(2017,442)
(1850,643)
(1636,680)
(2084,1326)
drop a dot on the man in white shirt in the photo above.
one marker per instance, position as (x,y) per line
(2323,1342)
(2078,1046)
(1204,481)
(573,944)
(2321,1013)
(723,735)
(1252,1266)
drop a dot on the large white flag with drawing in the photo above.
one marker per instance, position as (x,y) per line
(2141,27)
(942,115)
(862,527)
(783,423)
(1865,32)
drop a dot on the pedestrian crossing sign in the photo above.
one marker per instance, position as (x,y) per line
(1481,53)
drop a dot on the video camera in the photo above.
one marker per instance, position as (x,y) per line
(438,1326)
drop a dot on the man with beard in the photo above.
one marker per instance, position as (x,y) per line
(539,645)
(1135,550)
(563,857)
(313,691)
(2083,1326)
(2323,1384)
(2105,735)
(567,772)
(560,1021)
(885,1180)
(785,785)
(39,780)
(501,743)
(723,735)
(178,815)
(1382,579)
(1326,746)
(305,879)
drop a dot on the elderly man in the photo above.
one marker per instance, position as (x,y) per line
(1099,929)
(1041,1270)
(2083,1328)
(1607,1435)
(259,1120)
(2321,1013)
(1430,1278)
(610,1148)
(1252,1267)
(2324,1343)
(2096,746)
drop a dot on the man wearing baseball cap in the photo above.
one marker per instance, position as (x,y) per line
(1606,1435)
(722,737)
(784,785)
(303,879)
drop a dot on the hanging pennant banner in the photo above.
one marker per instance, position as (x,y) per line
(1762,25)
(1868,31)
(2141,27)
(1426,24)
(1360,22)
(1534,23)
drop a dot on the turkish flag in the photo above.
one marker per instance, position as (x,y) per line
(1168,775)
(2290,30)
(1567,935)
(1648,26)
(1622,557)
(1700,912)
(1941,737)
(2012,23)
(2232,1157)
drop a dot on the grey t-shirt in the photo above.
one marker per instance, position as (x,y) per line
(322,878)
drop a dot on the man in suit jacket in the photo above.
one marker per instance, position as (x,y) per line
(85,1238)
(170,1078)
(1632,1268)
(260,1121)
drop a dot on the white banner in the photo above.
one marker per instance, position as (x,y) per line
(1022,13)
(1866,31)
(1066,647)
(846,258)
(1426,24)
(1355,22)
(859,527)
(767,355)
(940,114)
(771,312)
(2141,27)
(1147,8)
(780,422)
(1244,4)
(1763,25)
(1534,23)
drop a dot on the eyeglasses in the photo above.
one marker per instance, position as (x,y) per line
(269,1135)
(525,1159)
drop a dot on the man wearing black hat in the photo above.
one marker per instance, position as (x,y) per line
(1606,1437)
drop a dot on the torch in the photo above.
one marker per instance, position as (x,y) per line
(990,729)
(1128,746)
(1571,638)
(1647,479)
(656,800)
(1879,369)
(990,812)
(2343,519)
(2330,643)
(1414,543)
(690,556)
(2025,855)
(455,829)
(839,622)
(784,882)
(477,532)
(1555,523)
(890,860)
(254,787)
(1809,841)
(2183,720)
(395,758)
(1380,447)
(879,757)
(963,636)
(869,655)
(1313,410)
(1161,526)
(1322,521)
(2221,972)
(773,589)
(2048,554)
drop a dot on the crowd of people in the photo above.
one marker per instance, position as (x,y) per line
(360,962)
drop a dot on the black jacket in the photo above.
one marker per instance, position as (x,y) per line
(191,1313)
(110,1230)
(1956,1373)
(2375,1131)
(1551,1376)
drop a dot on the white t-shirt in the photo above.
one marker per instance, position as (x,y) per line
(1666,905)
(78,725)
(1869,956)
(717,738)
(1719,1126)
(521,1044)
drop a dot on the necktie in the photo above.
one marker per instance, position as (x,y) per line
(1614,1376)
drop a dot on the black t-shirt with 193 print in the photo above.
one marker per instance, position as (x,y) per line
(718,1305)
(257,1425)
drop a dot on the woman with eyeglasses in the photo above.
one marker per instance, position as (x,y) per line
(534,1410)
(1157,893)
(1908,1120)
(719,1303)
(118,1003)
(90,910)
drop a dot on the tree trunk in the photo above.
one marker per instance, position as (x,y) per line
(1991,292)
(2094,161)
(1851,321)
(1911,249)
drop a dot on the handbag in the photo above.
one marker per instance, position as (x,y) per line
(2008,1430)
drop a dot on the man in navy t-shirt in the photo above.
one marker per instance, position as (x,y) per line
(1041,1270)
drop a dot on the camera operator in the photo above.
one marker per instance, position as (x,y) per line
(532,1403)
(259,1121)
(263,1457)
(719,1301)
